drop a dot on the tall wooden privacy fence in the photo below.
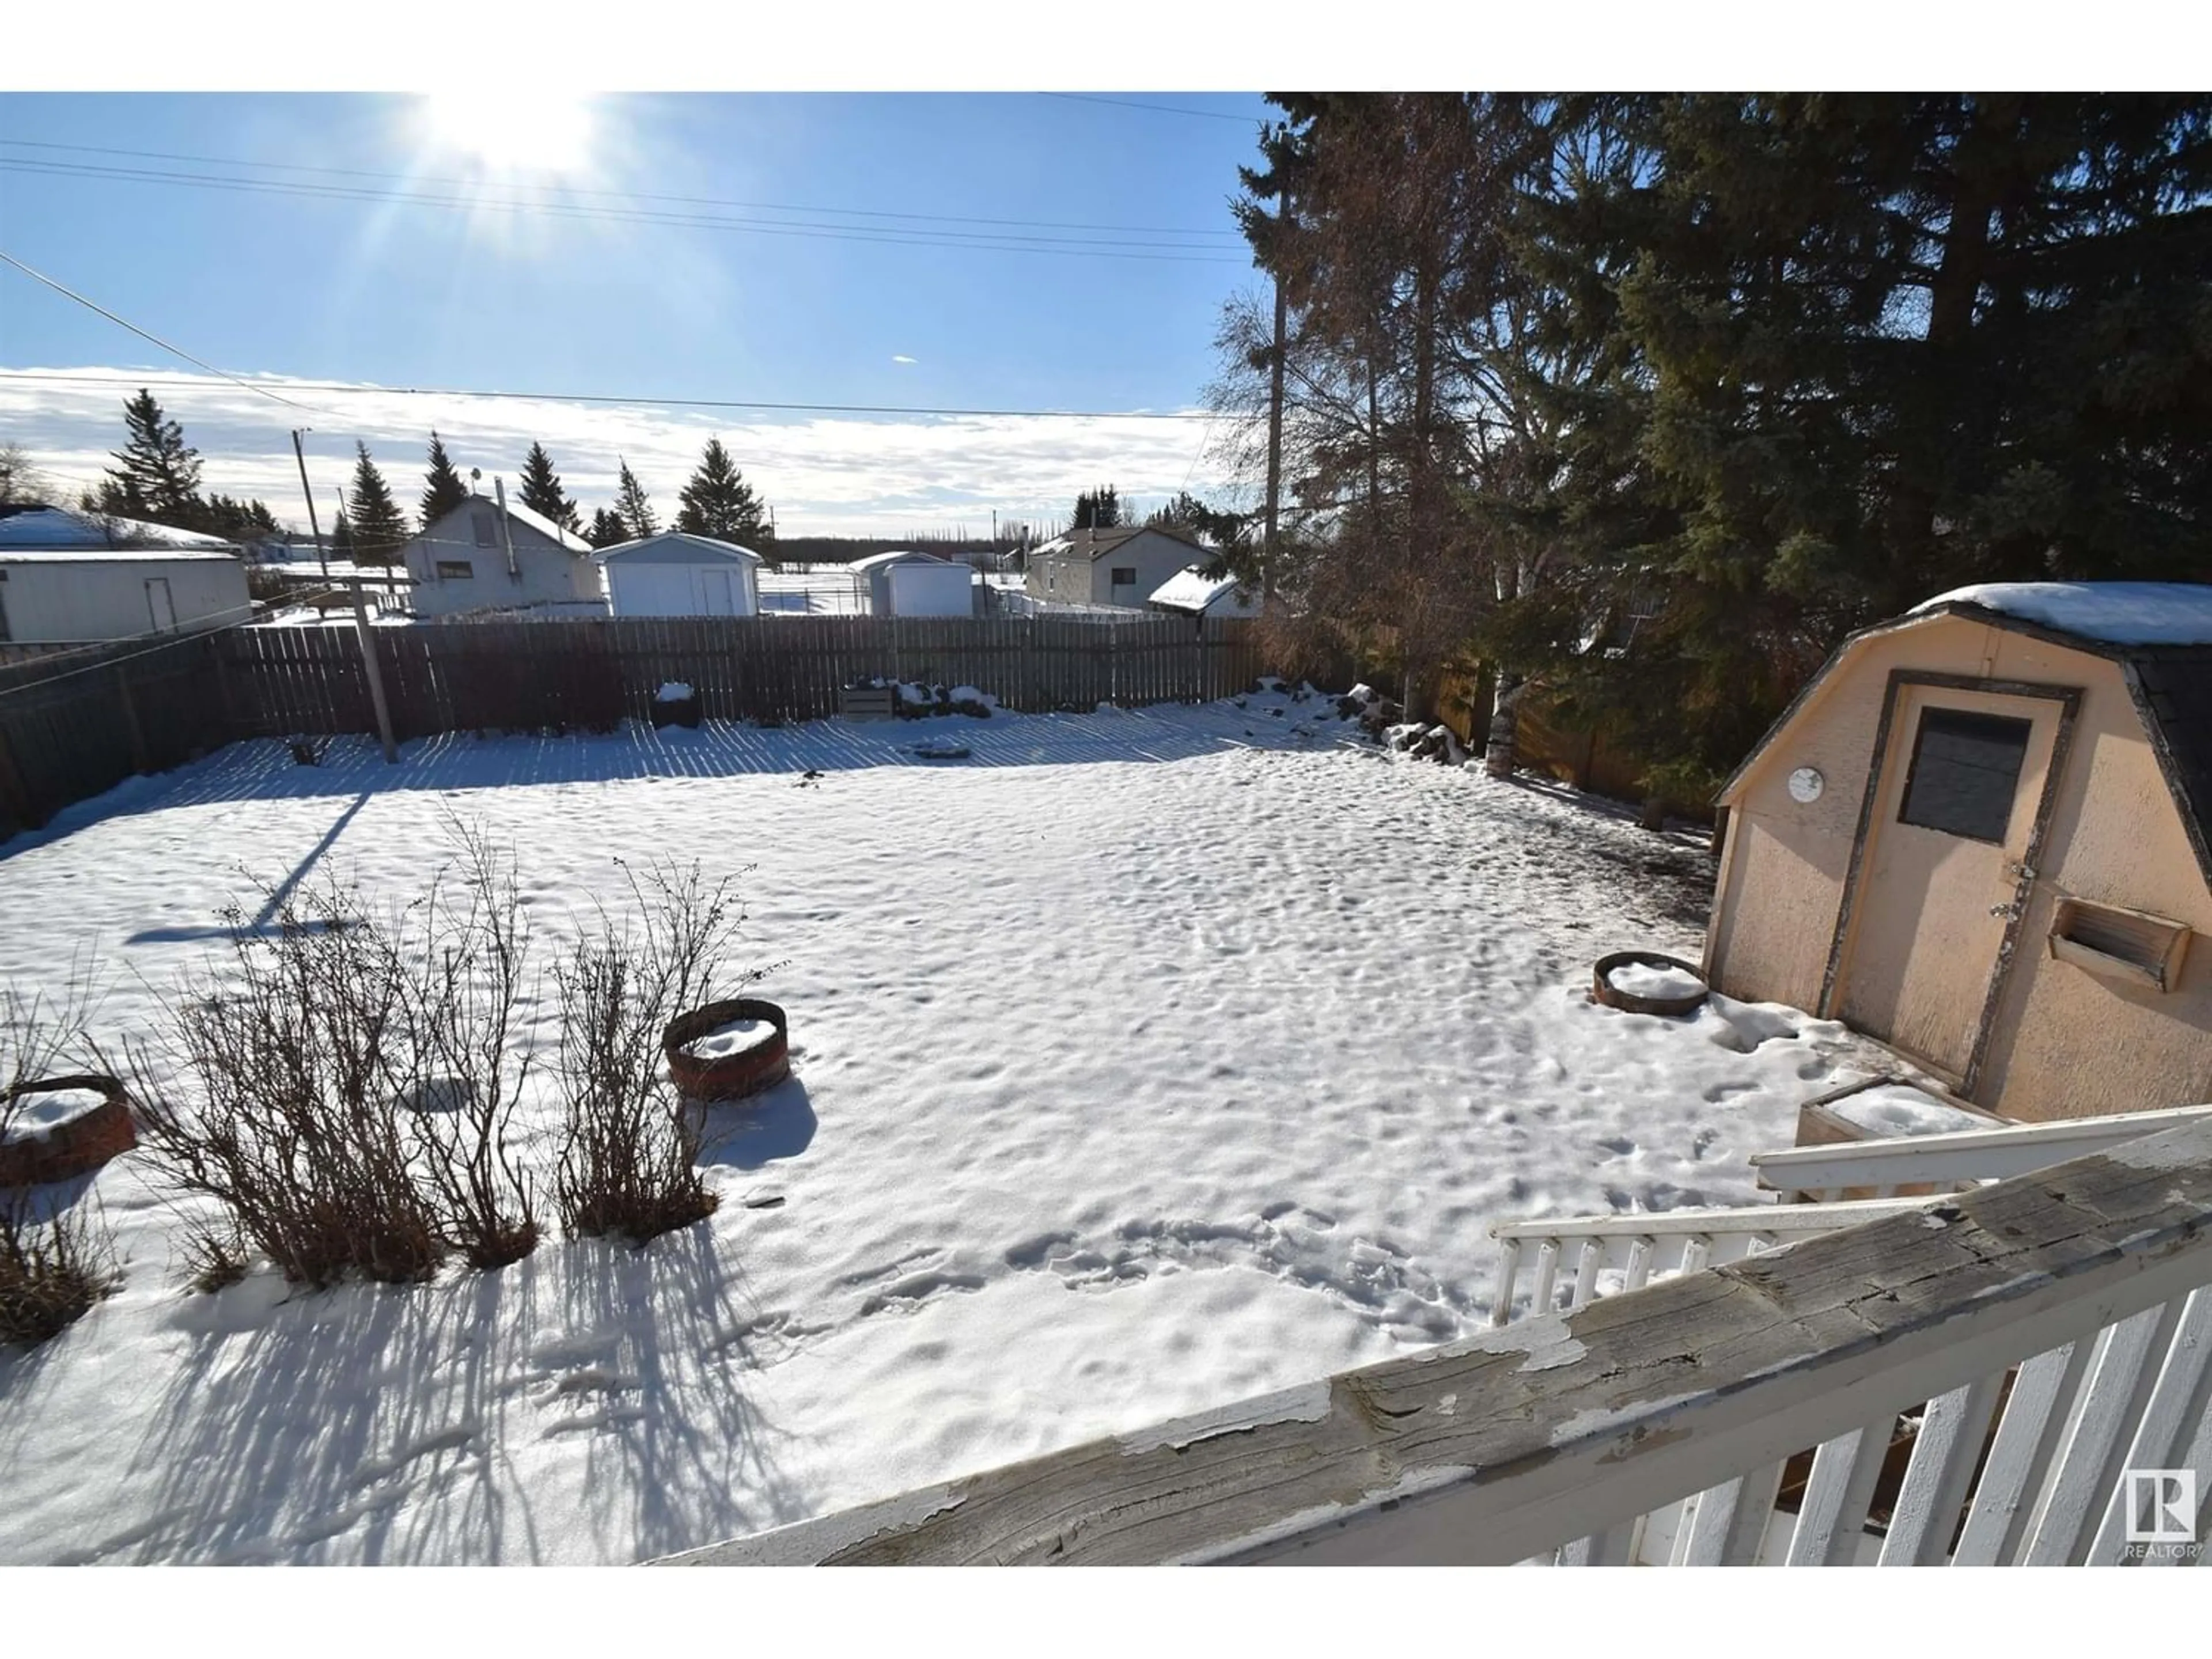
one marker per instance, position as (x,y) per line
(72,727)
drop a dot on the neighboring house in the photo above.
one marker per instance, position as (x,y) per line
(1109,567)
(1192,593)
(1980,836)
(464,561)
(678,575)
(68,578)
(911,584)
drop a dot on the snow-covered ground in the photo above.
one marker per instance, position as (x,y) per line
(1141,1061)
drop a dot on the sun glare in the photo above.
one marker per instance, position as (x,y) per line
(516,131)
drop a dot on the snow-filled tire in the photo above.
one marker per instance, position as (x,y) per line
(1603,990)
(76,1145)
(731,1076)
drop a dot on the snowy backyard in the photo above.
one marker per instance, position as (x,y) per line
(1140,1062)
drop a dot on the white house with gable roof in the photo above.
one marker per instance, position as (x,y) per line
(469,561)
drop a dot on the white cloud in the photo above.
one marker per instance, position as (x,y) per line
(898,358)
(824,475)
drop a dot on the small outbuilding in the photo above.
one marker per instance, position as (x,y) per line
(1980,836)
(1191,592)
(677,574)
(473,559)
(70,578)
(907,583)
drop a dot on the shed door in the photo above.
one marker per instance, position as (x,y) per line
(159,605)
(715,587)
(1959,791)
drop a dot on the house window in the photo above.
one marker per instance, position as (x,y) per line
(455,570)
(1125,575)
(2130,946)
(481,523)
(1965,771)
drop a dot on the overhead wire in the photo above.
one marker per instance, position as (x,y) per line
(638,196)
(996,242)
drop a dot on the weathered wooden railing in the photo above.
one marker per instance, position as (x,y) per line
(2065,1307)
(1956,1160)
(1615,1252)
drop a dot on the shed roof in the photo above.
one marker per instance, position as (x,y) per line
(2159,633)
(568,540)
(1192,589)
(705,546)
(896,555)
(32,528)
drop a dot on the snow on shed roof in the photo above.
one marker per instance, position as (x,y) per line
(545,527)
(2118,613)
(1191,589)
(896,555)
(704,544)
(37,529)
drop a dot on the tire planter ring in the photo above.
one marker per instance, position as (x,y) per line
(728,1077)
(1602,989)
(76,1145)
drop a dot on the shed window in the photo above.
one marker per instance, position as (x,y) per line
(481,523)
(1965,771)
(451,570)
(1125,575)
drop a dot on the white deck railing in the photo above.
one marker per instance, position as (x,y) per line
(1615,1253)
(1957,1160)
(2051,1332)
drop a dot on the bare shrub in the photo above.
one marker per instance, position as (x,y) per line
(629,1159)
(294,1129)
(463,1071)
(55,1263)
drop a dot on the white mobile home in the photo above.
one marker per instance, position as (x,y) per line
(906,583)
(677,574)
(72,578)
(468,561)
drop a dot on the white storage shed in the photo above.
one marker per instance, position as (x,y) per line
(907,583)
(70,578)
(677,574)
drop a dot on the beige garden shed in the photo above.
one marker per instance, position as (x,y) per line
(1979,835)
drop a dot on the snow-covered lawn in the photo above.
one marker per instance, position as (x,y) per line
(1140,1062)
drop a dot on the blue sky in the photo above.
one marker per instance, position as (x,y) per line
(354,273)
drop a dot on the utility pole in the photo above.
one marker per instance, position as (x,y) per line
(1274,426)
(314,530)
(375,675)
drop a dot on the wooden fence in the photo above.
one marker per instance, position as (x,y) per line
(72,727)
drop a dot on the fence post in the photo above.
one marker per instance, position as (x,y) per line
(130,726)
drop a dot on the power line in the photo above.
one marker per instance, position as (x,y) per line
(68,293)
(343,388)
(1163,109)
(1180,253)
(633,195)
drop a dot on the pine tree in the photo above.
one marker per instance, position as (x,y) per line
(607,529)
(633,506)
(379,529)
(159,475)
(718,502)
(542,493)
(1098,509)
(443,489)
(341,538)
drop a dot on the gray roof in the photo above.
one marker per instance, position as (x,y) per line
(1097,544)
(35,528)
(707,546)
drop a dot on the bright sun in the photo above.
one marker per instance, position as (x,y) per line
(516,131)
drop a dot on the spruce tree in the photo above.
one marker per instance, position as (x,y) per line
(341,538)
(718,502)
(379,529)
(1098,509)
(158,478)
(443,489)
(542,493)
(633,506)
(607,529)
